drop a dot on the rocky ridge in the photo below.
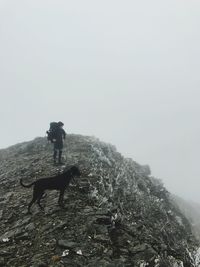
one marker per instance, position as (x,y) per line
(116,213)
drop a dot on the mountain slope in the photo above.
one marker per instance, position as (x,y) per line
(115,214)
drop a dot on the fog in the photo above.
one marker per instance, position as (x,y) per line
(126,72)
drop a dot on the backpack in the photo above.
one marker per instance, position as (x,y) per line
(52,132)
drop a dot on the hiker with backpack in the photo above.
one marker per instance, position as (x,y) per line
(56,134)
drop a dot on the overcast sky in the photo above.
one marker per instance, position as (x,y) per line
(127,72)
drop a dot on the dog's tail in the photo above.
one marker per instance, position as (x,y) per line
(28,185)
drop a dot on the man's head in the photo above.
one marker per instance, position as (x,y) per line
(60,124)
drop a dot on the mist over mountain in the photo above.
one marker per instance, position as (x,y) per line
(116,213)
(192,212)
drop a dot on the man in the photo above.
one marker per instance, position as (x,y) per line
(58,142)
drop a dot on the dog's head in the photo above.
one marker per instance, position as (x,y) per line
(75,171)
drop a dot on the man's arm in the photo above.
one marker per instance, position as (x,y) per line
(64,133)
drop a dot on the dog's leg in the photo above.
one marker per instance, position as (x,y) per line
(61,198)
(38,201)
(30,204)
(35,197)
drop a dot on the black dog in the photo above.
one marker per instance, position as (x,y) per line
(59,182)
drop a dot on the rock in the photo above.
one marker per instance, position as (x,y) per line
(5,253)
(145,169)
(30,227)
(56,258)
(8,235)
(18,232)
(115,214)
(66,244)
(22,236)
(40,264)
(2,262)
